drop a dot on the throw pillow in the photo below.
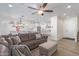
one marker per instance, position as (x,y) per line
(38,36)
(2,40)
(9,41)
(16,40)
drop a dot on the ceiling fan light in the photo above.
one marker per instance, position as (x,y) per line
(40,12)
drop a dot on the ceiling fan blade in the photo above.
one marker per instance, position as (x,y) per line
(48,10)
(34,13)
(32,8)
(44,5)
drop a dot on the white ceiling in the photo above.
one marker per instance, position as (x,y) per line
(19,9)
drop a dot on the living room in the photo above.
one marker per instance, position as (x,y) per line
(26,31)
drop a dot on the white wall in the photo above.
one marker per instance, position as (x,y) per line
(6,27)
(78,22)
(64,27)
(54,29)
(70,27)
(78,27)
(59,27)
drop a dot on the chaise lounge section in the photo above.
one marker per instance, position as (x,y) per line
(31,40)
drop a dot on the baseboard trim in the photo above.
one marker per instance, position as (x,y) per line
(68,38)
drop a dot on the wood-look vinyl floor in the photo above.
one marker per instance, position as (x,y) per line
(66,47)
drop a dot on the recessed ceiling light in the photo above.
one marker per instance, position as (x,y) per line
(10,5)
(64,14)
(69,6)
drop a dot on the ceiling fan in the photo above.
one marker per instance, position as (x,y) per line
(41,10)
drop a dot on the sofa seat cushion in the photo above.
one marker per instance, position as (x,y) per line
(31,36)
(30,42)
(41,41)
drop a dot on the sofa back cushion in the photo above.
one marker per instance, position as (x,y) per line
(23,37)
(31,36)
(5,36)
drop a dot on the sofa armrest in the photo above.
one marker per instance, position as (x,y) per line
(44,37)
(20,50)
